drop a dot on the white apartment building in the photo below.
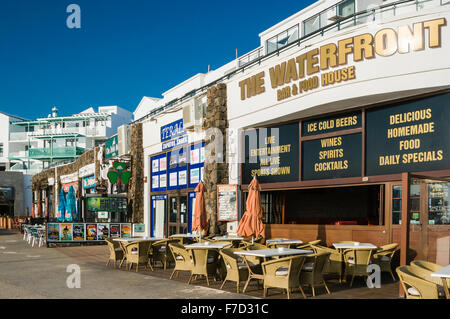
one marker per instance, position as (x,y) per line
(54,140)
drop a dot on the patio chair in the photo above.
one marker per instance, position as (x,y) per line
(312,271)
(356,262)
(426,265)
(309,245)
(182,257)
(334,263)
(414,286)
(160,252)
(124,253)
(115,251)
(426,268)
(137,253)
(236,270)
(383,258)
(283,273)
(205,262)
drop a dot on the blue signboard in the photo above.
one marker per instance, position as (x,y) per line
(172,130)
(89,182)
(175,142)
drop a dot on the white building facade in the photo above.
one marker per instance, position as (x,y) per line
(341,99)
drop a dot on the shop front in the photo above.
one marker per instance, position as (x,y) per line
(174,172)
(333,141)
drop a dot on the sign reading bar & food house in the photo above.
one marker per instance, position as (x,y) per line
(332,157)
(409,137)
(271,154)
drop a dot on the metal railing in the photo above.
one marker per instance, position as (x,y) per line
(394,7)
(65,151)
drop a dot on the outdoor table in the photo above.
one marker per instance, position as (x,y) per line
(185,235)
(138,239)
(207,245)
(444,274)
(354,246)
(228,238)
(283,241)
(341,246)
(267,253)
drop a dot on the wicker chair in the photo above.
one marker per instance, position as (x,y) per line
(205,263)
(115,252)
(426,265)
(124,253)
(312,271)
(236,270)
(309,245)
(356,262)
(137,253)
(334,263)
(427,269)
(383,258)
(182,257)
(160,252)
(414,286)
(283,273)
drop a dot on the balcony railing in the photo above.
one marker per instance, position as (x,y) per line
(56,152)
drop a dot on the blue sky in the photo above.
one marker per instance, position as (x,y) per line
(124,50)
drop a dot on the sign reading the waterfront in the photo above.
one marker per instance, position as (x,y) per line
(331,124)
(299,74)
(112,147)
(271,154)
(409,137)
(227,208)
(332,157)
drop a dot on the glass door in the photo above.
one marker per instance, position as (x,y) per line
(178,215)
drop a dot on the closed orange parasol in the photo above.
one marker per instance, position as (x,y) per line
(32,211)
(200,223)
(39,209)
(251,223)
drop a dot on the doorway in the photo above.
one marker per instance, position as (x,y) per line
(177,215)
(429,218)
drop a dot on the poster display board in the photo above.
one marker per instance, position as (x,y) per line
(177,170)
(227,202)
(159,173)
(65,232)
(78,232)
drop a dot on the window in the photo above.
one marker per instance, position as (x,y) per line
(1,149)
(346,8)
(414,211)
(282,39)
(341,10)
(439,205)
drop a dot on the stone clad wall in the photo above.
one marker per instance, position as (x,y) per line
(216,170)
(136,187)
